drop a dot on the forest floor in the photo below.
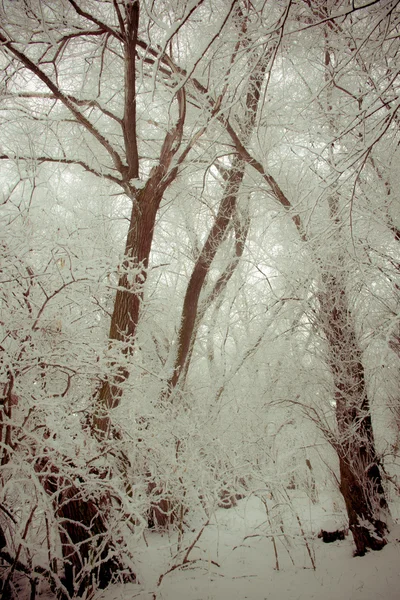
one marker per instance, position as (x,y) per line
(245,553)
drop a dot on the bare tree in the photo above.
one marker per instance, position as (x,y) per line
(360,476)
(40,43)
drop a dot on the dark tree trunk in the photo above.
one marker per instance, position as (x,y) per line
(363,497)
(91,556)
(361,481)
(129,296)
(360,477)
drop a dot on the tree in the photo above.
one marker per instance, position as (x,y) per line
(360,477)
(122,158)
(40,41)
(361,481)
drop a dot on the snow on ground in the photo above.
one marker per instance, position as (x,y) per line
(240,540)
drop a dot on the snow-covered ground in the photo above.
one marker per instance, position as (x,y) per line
(237,556)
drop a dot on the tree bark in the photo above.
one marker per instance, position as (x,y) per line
(90,553)
(360,477)
(215,237)
(145,205)
(241,232)
(128,298)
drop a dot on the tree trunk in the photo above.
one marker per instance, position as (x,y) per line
(367,528)
(91,557)
(125,316)
(361,482)
(127,302)
(215,237)
(360,477)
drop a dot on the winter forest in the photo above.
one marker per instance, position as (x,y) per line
(199,299)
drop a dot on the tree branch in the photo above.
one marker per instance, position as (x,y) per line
(93,19)
(59,95)
(62,161)
(272,183)
(129,121)
(77,101)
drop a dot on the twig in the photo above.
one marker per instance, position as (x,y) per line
(185,561)
(263,500)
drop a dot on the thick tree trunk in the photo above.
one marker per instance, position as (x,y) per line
(361,482)
(91,556)
(360,477)
(363,496)
(128,299)
(145,205)
(127,303)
